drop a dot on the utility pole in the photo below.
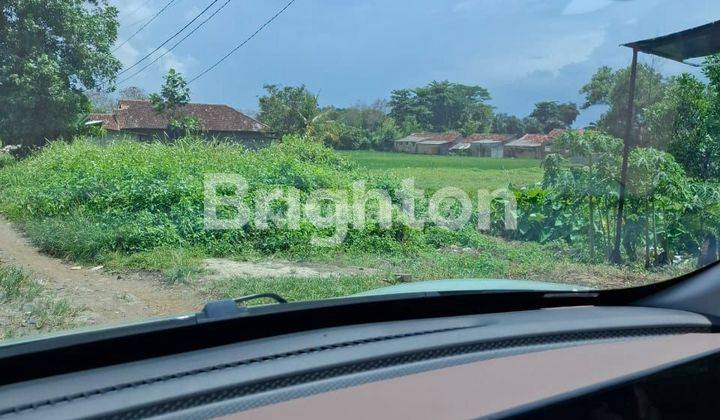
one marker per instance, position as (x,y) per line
(616,256)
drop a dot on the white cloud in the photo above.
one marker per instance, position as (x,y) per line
(577,7)
(133,10)
(172,61)
(544,54)
(560,52)
(127,54)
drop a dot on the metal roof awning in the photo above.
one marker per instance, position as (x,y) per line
(680,46)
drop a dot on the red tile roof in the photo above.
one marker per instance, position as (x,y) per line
(556,133)
(141,115)
(108,121)
(491,136)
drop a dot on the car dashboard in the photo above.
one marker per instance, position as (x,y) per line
(522,363)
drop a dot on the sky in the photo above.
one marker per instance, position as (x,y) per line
(357,51)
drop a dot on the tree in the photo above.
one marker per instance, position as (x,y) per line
(51,52)
(133,93)
(442,106)
(385,135)
(552,115)
(533,125)
(611,88)
(588,187)
(507,124)
(288,109)
(685,121)
(173,94)
(100,101)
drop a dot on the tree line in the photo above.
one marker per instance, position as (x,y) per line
(440,106)
(673,202)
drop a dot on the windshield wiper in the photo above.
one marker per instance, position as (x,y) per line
(230,308)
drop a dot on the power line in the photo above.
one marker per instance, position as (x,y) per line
(225,57)
(156,59)
(168,4)
(212,3)
(135,10)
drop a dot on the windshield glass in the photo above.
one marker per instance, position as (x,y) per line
(159,154)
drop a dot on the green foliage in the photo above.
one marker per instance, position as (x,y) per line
(686,121)
(577,200)
(441,106)
(185,125)
(51,52)
(611,88)
(85,201)
(551,115)
(288,109)
(173,95)
(508,124)
(6,159)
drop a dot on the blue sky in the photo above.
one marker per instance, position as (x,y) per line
(357,51)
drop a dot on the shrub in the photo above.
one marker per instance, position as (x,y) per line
(84,200)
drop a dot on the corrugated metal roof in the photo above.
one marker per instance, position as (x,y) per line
(461,146)
(680,46)
(487,142)
(412,138)
(435,142)
(523,142)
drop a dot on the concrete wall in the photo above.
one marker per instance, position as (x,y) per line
(405,146)
(482,150)
(433,149)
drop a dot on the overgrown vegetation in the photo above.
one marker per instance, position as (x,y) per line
(668,214)
(135,205)
(27,308)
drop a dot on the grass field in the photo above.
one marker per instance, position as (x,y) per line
(464,172)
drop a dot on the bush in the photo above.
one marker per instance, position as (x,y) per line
(84,200)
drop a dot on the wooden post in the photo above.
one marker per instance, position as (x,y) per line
(616,256)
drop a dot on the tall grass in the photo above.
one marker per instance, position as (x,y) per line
(83,200)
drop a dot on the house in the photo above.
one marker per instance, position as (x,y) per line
(488,145)
(428,143)
(532,146)
(408,144)
(438,143)
(139,119)
(487,148)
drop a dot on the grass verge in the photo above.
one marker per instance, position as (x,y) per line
(28,308)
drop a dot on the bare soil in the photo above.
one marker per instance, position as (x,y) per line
(221,268)
(104,298)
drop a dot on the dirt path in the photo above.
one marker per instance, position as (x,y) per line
(105,298)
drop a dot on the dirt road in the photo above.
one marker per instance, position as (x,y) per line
(104,298)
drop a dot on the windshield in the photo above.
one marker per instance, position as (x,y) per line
(159,154)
